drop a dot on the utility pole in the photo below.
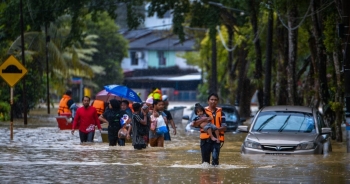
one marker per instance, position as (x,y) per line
(47,70)
(24,64)
(346,44)
(345,34)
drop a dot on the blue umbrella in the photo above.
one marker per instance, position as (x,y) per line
(123,92)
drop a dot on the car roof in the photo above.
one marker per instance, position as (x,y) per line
(288,108)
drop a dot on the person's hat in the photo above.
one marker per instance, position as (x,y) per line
(165,97)
(149,100)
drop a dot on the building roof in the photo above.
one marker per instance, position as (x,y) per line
(157,40)
(188,77)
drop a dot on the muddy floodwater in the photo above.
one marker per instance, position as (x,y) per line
(41,153)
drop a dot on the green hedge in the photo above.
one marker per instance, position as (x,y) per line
(4,111)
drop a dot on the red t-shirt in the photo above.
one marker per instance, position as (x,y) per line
(87,119)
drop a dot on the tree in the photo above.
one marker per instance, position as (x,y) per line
(268,62)
(112,47)
(38,14)
(65,62)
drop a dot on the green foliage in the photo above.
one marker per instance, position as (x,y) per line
(112,47)
(336,106)
(180,9)
(4,111)
(222,61)
(203,92)
(331,40)
(70,41)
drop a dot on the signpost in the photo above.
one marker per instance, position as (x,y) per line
(12,71)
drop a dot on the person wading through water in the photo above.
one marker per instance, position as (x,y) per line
(216,117)
(87,118)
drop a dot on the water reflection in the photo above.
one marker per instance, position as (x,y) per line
(47,155)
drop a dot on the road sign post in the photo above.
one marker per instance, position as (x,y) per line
(12,71)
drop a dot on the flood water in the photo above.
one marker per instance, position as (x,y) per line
(41,153)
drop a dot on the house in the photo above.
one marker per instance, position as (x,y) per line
(157,51)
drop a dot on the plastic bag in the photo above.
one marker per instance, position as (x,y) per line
(122,133)
(162,130)
(161,126)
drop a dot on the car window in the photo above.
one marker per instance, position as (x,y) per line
(230,114)
(280,121)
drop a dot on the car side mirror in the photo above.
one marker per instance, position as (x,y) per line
(326,130)
(186,117)
(243,128)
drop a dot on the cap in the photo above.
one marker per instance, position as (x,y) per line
(149,100)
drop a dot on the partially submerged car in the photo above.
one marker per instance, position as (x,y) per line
(233,119)
(287,130)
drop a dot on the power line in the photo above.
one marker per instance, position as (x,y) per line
(303,18)
(223,41)
(296,27)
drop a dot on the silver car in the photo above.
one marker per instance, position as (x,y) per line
(286,130)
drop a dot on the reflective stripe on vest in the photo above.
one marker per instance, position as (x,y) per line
(99,106)
(216,122)
(63,106)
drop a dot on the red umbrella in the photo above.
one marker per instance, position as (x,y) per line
(106,96)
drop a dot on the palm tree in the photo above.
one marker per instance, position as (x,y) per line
(64,61)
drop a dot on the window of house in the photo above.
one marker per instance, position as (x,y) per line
(161,58)
(134,58)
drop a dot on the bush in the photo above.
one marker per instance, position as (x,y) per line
(4,111)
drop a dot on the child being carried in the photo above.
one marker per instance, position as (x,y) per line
(205,125)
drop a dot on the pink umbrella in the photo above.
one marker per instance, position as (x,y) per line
(106,96)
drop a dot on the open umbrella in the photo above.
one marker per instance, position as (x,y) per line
(106,96)
(123,92)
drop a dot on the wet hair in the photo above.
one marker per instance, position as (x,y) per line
(126,102)
(115,104)
(85,97)
(213,94)
(136,106)
(155,102)
(68,92)
(198,107)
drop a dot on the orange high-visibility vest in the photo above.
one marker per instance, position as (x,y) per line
(216,122)
(99,106)
(63,107)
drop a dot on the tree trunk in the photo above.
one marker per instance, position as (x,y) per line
(315,99)
(231,66)
(281,84)
(267,92)
(339,98)
(320,56)
(329,114)
(258,62)
(213,88)
(244,87)
(292,54)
